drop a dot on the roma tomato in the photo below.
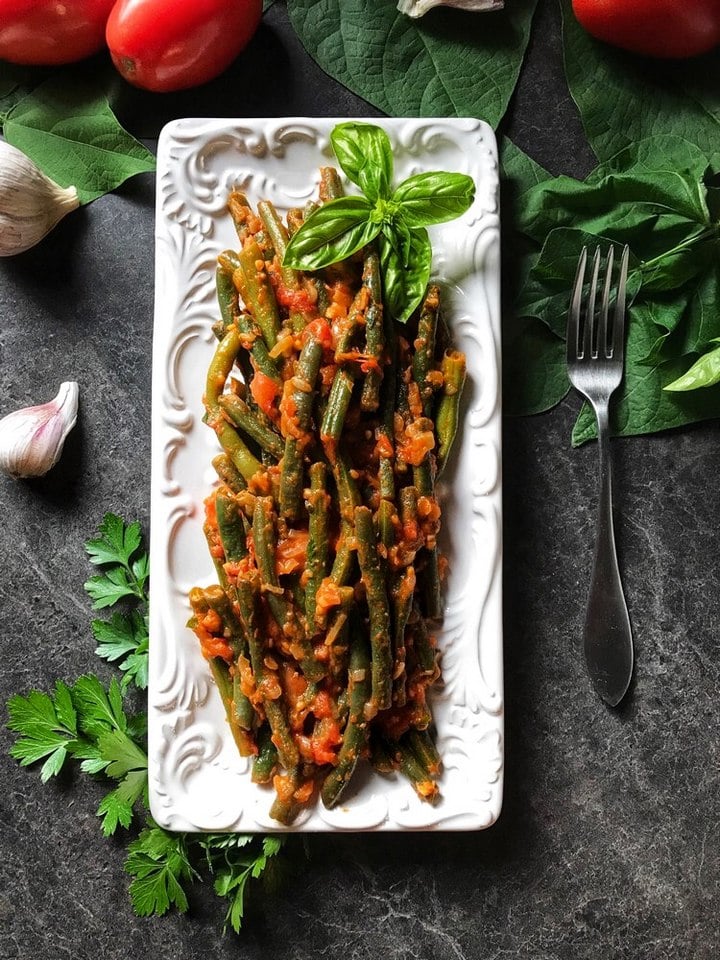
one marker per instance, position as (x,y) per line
(166,45)
(656,28)
(47,32)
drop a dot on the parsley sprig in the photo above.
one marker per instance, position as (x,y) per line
(94,725)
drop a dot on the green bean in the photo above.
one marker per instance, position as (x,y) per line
(348,498)
(226,295)
(282,738)
(218,372)
(257,292)
(290,277)
(239,210)
(429,578)
(351,324)
(247,421)
(228,473)
(386,520)
(267,757)
(330,184)
(232,527)
(318,503)
(401,595)
(291,467)
(221,675)
(295,219)
(374,333)
(423,647)
(264,540)
(378,609)
(425,347)
(380,757)
(446,421)
(218,601)
(410,766)
(335,412)
(261,357)
(355,732)
(422,745)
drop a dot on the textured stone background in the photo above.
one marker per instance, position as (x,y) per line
(607,848)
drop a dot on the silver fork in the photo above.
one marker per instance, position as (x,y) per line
(595,351)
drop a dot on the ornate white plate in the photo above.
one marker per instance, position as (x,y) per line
(197,780)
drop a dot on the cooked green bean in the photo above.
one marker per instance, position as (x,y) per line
(291,468)
(246,421)
(446,421)
(318,504)
(374,333)
(378,608)
(425,347)
(218,372)
(356,728)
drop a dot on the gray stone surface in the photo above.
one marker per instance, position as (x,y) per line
(607,848)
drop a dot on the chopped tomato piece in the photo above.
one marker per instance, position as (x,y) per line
(265,391)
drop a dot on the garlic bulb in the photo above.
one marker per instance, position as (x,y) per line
(31,439)
(416,8)
(30,203)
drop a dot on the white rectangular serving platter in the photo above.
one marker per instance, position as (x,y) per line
(198,782)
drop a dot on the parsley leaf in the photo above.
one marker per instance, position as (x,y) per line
(126,572)
(235,859)
(124,638)
(48,728)
(159,863)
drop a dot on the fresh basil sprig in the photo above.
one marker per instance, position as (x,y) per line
(394,219)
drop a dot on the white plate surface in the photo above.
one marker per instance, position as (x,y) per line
(197,780)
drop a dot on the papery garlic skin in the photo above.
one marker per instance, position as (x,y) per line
(416,8)
(30,203)
(32,439)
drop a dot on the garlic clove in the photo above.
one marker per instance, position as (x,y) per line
(416,8)
(30,203)
(32,439)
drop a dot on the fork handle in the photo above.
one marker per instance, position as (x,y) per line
(608,637)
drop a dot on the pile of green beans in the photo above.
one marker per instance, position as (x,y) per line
(334,423)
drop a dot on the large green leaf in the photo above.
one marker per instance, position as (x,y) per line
(623,98)
(71,133)
(447,63)
(644,406)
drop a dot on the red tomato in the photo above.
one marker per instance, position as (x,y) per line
(47,32)
(166,45)
(656,28)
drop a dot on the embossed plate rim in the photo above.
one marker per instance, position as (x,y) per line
(197,780)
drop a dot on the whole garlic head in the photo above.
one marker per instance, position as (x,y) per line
(30,203)
(416,8)
(32,439)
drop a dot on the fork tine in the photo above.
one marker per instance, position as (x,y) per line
(590,313)
(573,324)
(602,344)
(618,349)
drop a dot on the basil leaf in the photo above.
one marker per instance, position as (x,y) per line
(705,372)
(333,232)
(363,151)
(404,286)
(74,137)
(450,63)
(434,197)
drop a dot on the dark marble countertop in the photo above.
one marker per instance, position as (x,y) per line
(607,847)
